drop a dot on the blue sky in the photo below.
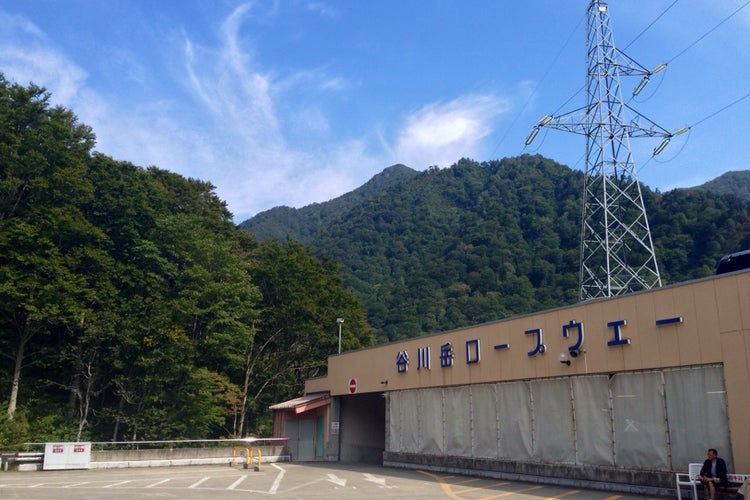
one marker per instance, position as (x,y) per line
(292,102)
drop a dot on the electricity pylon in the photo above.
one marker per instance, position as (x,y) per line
(617,253)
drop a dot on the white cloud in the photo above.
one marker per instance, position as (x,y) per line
(253,164)
(441,133)
(26,57)
(242,128)
(15,25)
(323,9)
(334,83)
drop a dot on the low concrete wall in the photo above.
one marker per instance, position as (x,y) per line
(637,482)
(109,459)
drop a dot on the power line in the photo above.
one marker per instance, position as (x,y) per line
(720,110)
(536,88)
(698,40)
(649,26)
(689,128)
(709,31)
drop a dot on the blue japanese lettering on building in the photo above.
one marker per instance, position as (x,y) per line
(618,339)
(577,327)
(573,329)
(446,355)
(423,358)
(540,348)
(472,351)
(669,321)
(402,361)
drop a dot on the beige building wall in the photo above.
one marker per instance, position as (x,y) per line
(703,322)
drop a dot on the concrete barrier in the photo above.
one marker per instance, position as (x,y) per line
(165,457)
(162,453)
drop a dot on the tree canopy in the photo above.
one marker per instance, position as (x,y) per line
(478,242)
(131,306)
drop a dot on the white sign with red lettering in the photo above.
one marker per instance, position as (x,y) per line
(60,456)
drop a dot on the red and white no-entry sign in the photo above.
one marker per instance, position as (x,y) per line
(352,385)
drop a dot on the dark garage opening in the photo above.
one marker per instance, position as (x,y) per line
(362,428)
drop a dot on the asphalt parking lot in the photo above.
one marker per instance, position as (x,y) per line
(282,480)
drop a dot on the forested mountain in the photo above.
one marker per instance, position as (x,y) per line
(481,241)
(305,223)
(131,307)
(735,183)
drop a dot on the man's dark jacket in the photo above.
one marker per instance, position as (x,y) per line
(721,470)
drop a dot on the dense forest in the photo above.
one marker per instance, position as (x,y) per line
(476,242)
(131,306)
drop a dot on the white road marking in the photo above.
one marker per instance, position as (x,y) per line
(117,484)
(75,484)
(277,482)
(157,483)
(237,483)
(198,483)
(336,480)
(374,479)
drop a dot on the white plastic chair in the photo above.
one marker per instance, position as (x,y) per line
(689,480)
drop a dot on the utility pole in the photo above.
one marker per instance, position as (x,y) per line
(617,253)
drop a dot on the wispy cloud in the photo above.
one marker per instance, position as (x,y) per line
(259,166)
(263,137)
(441,133)
(323,8)
(26,57)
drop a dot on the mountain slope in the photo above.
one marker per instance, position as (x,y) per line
(478,242)
(304,223)
(736,183)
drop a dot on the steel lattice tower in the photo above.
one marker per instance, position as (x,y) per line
(617,253)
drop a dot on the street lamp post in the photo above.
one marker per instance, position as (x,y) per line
(340,321)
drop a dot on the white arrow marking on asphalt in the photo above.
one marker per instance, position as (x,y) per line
(336,480)
(374,479)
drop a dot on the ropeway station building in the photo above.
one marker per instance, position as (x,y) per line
(616,393)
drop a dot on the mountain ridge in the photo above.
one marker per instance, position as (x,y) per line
(283,221)
(446,248)
(301,224)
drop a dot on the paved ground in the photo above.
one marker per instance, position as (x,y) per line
(283,481)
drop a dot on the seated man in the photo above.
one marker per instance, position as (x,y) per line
(713,473)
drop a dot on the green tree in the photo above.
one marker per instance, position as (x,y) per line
(43,239)
(128,299)
(297,330)
(197,314)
